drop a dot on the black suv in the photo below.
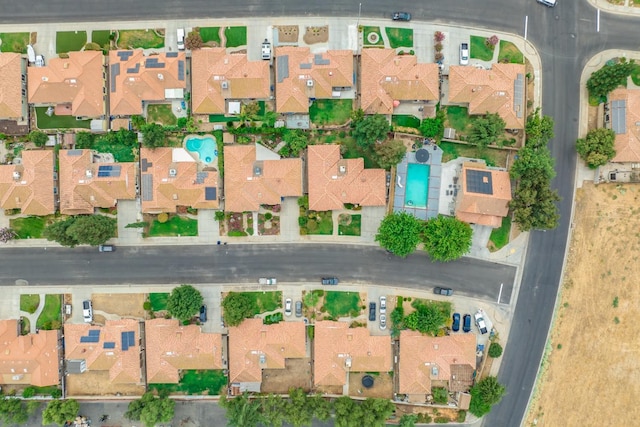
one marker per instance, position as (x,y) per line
(372,311)
(330,281)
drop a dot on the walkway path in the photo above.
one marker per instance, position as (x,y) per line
(33,317)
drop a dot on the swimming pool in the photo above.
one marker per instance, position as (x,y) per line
(205,146)
(417,185)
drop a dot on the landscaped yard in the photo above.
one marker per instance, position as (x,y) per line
(354,152)
(367,39)
(29,227)
(121,152)
(399,37)
(272,318)
(143,39)
(458,118)
(158,300)
(210,34)
(479,50)
(406,121)
(14,42)
(44,121)
(175,226)
(318,223)
(493,156)
(101,37)
(265,301)
(51,316)
(210,382)
(500,236)
(635,75)
(330,111)
(161,114)
(221,118)
(341,304)
(70,41)
(510,53)
(236,36)
(29,302)
(349,225)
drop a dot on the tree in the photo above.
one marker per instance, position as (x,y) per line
(428,317)
(183,302)
(298,411)
(433,127)
(608,78)
(539,130)
(296,142)
(151,410)
(58,411)
(85,140)
(38,137)
(321,407)
(237,307)
(495,350)
(57,232)
(241,411)
(273,407)
(485,130)
(397,321)
(486,393)
(344,409)
(92,229)
(597,148)
(193,41)
(376,411)
(389,153)
(408,420)
(356,116)
(370,130)
(153,135)
(13,411)
(447,238)
(399,233)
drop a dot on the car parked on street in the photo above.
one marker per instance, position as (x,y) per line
(401,16)
(548,3)
(372,311)
(383,322)
(298,308)
(267,281)
(87,311)
(287,307)
(443,291)
(203,313)
(383,304)
(464,53)
(480,323)
(330,281)
(466,323)
(106,248)
(455,326)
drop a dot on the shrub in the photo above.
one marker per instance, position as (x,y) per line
(441,420)
(29,392)
(219,216)
(439,56)
(268,216)
(492,41)
(250,231)
(302,221)
(495,350)
(439,36)
(440,395)
(146,305)
(462,416)
(163,217)
(438,47)
(56,393)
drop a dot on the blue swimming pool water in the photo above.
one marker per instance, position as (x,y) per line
(205,146)
(417,185)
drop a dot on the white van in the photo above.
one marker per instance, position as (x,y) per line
(180,38)
(549,3)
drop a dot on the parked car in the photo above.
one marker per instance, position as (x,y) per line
(267,281)
(383,304)
(203,313)
(106,248)
(548,3)
(266,50)
(401,16)
(330,281)
(383,322)
(298,308)
(287,307)
(372,311)
(87,311)
(443,291)
(464,53)
(40,61)
(456,322)
(480,323)
(466,323)
(180,38)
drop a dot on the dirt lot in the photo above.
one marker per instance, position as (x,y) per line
(297,374)
(96,383)
(122,305)
(382,385)
(592,375)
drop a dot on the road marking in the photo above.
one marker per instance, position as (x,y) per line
(526,26)
(598,20)
(500,293)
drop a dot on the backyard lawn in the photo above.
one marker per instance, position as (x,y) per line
(458,118)
(210,34)
(121,152)
(144,39)
(479,50)
(406,121)
(369,30)
(175,226)
(236,36)
(500,236)
(493,156)
(158,300)
(44,121)
(29,302)
(14,42)
(341,304)
(399,37)
(349,225)
(510,53)
(330,111)
(29,227)
(101,37)
(50,318)
(161,114)
(70,41)
(196,382)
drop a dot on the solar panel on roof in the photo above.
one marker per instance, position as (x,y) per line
(200,177)
(109,170)
(153,63)
(94,333)
(172,54)
(479,182)
(319,60)
(518,95)
(124,54)
(134,70)
(89,339)
(124,341)
(115,72)
(74,153)
(619,116)
(147,187)
(282,67)
(132,338)
(181,70)
(210,193)
(109,345)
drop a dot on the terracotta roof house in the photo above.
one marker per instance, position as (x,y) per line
(136,79)
(498,90)
(113,347)
(340,349)
(13,71)
(302,75)
(254,346)
(85,185)
(170,177)
(217,77)
(172,347)
(485,197)
(426,362)
(334,181)
(29,186)
(28,359)
(388,77)
(249,182)
(624,120)
(75,85)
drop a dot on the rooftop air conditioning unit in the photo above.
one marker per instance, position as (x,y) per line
(160,76)
(309,83)
(343,169)
(16,175)
(89,173)
(173,173)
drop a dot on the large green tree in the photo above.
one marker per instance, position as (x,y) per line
(597,148)
(486,393)
(347,412)
(241,411)
(153,135)
(486,129)
(38,137)
(59,411)
(296,140)
(447,238)
(321,407)
(433,127)
(371,130)
(13,411)
(399,233)
(389,153)
(81,230)
(273,410)
(428,317)
(609,77)
(376,411)
(151,410)
(408,420)
(298,410)
(237,307)
(184,302)
(539,130)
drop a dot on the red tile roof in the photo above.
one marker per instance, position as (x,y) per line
(29,185)
(627,144)
(484,208)
(11,65)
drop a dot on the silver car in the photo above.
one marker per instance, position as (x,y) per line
(383,304)
(298,308)
(383,322)
(287,307)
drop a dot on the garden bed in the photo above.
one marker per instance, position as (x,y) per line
(268,224)
(235,224)
(372,36)
(320,223)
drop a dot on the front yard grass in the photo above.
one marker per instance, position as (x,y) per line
(493,156)
(196,382)
(29,302)
(236,36)
(29,227)
(14,42)
(369,30)
(330,111)
(143,39)
(175,226)
(406,121)
(341,304)
(479,50)
(319,223)
(510,53)
(158,300)
(500,236)
(161,114)
(399,37)
(265,301)
(349,225)
(70,41)
(51,317)
(101,37)
(210,34)
(44,121)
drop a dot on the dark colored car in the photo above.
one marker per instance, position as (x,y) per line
(456,322)
(401,16)
(466,323)
(443,291)
(298,308)
(372,311)
(203,313)
(330,281)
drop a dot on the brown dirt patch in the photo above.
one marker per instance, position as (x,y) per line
(382,385)
(288,33)
(592,375)
(329,389)
(96,383)
(449,413)
(124,305)
(297,374)
(593,117)
(315,35)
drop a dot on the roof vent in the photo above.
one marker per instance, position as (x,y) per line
(160,76)
(263,359)
(225,84)
(309,83)
(89,173)
(173,173)
(16,175)
(347,362)
(45,78)
(343,169)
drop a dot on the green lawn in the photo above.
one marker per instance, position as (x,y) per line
(365,36)
(121,152)
(330,111)
(458,118)
(70,41)
(399,37)
(51,317)
(479,50)
(236,36)
(161,114)
(221,118)
(43,121)
(29,227)
(406,121)
(349,228)
(158,300)
(493,156)
(341,304)
(176,225)
(29,302)
(320,223)
(144,39)
(14,42)
(265,301)
(210,34)
(500,236)
(353,151)
(196,382)
(101,37)
(510,53)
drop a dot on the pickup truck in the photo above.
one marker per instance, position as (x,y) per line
(267,281)
(480,323)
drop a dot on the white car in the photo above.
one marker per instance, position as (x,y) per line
(87,311)
(383,322)
(548,3)
(287,307)
(383,304)
(464,53)
(480,323)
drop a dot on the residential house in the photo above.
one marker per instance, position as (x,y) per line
(136,80)
(113,348)
(426,362)
(257,176)
(30,359)
(340,349)
(500,90)
(254,346)
(170,177)
(87,184)
(388,79)
(219,80)
(75,86)
(172,347)
(485,196)
(623,117)
(13,80)
(334,181)
(303,76)
(29,185)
